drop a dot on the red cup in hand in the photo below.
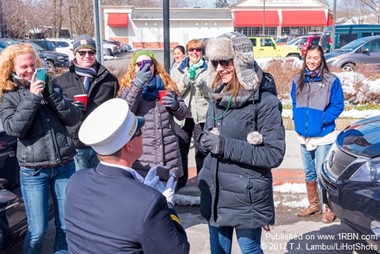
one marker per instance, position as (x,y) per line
(82,98)
(161,95)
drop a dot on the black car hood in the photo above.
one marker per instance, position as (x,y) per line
(361,138)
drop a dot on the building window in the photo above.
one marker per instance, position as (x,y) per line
(300,30)
(256,31)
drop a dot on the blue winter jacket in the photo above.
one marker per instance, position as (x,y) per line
(317,106)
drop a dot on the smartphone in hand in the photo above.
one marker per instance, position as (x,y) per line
(145,62)
(41,74)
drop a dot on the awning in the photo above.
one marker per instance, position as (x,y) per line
(330,21)
(256,18)
(304,18)
(117,19)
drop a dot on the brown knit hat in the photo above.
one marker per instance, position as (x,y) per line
(239,48)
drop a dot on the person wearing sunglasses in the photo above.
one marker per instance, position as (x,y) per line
(140,86)
(86,76)
(244,138)
(191,79)
(111,208)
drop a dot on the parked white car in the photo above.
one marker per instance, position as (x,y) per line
(63,46)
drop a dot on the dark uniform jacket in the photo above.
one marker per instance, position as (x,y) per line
(236,186)
(39,123)
(108,211)
(102,88)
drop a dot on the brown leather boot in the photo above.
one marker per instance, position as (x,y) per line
(313,208)
(328,216)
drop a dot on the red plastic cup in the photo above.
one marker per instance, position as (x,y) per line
(82,98)
(161,95)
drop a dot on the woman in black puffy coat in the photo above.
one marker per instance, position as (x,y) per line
(244,138)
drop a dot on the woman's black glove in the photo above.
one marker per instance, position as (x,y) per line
(170,101)
(212,143)
(143,76)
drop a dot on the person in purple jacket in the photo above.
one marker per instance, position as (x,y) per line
(317,99)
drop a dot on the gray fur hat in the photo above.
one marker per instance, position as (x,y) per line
(239,48)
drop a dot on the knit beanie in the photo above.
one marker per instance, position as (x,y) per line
(143,53)
(239,48)
(83,41)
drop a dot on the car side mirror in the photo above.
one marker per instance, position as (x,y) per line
(365,51)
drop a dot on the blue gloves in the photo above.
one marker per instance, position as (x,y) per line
(170,101)
(143,76)
(212,143)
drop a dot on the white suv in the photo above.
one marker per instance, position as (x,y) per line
(63,46)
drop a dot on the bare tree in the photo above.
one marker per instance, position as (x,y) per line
(374,6)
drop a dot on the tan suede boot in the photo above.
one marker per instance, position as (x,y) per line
(313,208)
(328,216)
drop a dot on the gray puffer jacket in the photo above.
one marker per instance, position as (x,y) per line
(39,124)
(160,143)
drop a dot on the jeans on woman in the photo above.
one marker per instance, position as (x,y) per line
(249,240)
(313,160)
(36,184)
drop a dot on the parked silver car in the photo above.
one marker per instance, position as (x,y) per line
(364,50)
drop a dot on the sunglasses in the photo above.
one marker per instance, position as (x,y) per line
(195,49)
(83,53)
(223,63)
(137,134)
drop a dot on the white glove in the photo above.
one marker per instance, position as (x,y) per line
(169,190)
(151,179)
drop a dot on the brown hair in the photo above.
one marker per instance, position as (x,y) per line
(126,79)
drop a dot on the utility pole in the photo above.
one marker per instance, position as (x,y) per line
(264,17)
(98,30)
(166,16)
(2,30)
(333,28)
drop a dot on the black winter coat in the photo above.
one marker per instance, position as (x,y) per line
(39,124)
(102,88)
(236,186)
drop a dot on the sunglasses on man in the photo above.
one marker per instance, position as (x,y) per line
(83,52)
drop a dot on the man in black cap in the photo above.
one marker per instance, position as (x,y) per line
(89,78)
(111,208)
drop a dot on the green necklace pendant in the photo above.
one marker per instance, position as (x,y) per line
(224,113)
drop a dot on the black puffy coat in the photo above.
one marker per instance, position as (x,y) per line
(39,124)
(102,88)
(236,186)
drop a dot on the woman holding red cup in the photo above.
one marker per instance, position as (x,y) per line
(151,93)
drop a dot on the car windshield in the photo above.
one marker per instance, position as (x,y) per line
(36,47)
(294,41)
(352,45)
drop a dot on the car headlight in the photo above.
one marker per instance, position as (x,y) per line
(368,172)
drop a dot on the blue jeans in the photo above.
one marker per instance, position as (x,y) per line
(313,160)
(35,187)
(249,240)
(85,158)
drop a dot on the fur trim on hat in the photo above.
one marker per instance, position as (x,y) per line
(239,48)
